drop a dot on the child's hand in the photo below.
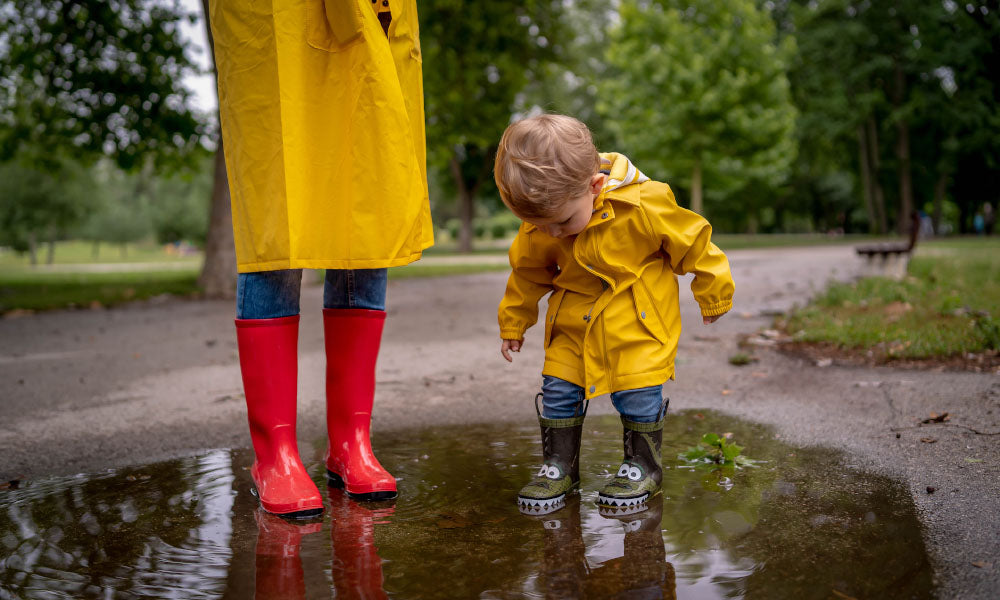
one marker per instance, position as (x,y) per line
(712,319)
(508,347)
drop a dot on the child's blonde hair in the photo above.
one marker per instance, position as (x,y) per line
(543,161)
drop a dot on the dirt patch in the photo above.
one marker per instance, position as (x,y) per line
(825,354)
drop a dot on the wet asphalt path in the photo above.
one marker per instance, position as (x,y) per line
(82,391)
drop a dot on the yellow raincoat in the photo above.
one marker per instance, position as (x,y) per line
(613,319)
(323,130)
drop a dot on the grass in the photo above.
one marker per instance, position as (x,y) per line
(74,252)
(948,305)
(45,290)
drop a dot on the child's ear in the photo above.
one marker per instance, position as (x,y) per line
(597,183)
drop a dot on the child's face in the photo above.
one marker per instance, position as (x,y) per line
(572,217)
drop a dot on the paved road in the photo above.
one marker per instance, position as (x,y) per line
(87,390)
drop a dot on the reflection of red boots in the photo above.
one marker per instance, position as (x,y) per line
(352,343)
(356,567)
(278,569)
(269,363)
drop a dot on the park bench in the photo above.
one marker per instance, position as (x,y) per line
(890,259)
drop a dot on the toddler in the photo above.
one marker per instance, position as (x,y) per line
(607,243)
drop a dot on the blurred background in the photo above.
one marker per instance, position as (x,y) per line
(814,119)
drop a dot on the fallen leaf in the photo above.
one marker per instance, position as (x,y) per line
(937,418)
(928,440)
(982,564)
(973,460)
(842,595)
(931,489)
(726,392)
(699,416)
(824,362)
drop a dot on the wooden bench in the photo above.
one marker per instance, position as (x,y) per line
(890,259)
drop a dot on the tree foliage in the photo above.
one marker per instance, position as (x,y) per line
(698,89)
(478,56)
(94,77)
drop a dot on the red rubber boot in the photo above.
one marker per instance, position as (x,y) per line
(269,362)
(352,343)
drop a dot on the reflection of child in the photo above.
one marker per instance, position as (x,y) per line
(607,242)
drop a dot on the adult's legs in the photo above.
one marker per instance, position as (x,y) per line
(353,318)
(267,332)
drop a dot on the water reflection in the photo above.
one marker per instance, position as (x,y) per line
(278,573)
(642,571)
(803,525)
(356,566)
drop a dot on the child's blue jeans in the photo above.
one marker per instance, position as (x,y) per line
(274,294)
(562,399)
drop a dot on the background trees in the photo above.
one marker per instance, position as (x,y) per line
(698,95)
(791,115)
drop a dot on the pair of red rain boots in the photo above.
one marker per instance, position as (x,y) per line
(269,363)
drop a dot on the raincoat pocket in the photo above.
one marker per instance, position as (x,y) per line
(550,315)
(340,30)
(646,313)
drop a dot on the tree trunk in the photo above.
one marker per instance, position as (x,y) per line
(904,221)
(696,202)
(878,195)
(218,274)
(50,258)
(465,207)
(866,179)
(940,187)
(32,249)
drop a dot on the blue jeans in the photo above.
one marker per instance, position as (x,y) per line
(274,294)
(562,399)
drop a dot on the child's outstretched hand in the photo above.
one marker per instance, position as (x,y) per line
(712,319)
(508,347)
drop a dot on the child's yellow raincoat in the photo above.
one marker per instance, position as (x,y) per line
(323,129)
(614,320)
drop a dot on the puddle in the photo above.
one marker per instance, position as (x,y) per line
(802,525)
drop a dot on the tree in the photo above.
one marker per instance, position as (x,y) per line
(478,56)
(90,79)
(698,92)
(94,77)
(218,273)
(37,205)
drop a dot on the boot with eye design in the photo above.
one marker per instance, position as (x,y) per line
(560,470)
(639,477)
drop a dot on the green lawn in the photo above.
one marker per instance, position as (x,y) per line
(948,305)
(46,290)
(78,252)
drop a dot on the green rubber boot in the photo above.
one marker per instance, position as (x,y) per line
(560,470)
(641,473)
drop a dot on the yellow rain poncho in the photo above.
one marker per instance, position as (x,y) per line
(613,319)
(323,130)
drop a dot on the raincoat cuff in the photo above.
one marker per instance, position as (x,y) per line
(714,310)
(511,333)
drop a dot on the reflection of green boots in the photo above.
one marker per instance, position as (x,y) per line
(560,470)
(639,477)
